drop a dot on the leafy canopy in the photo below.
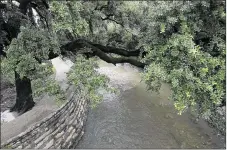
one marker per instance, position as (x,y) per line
(181,43)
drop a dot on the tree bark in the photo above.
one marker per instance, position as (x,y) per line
(24,99)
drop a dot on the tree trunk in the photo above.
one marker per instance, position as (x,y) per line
(24,99)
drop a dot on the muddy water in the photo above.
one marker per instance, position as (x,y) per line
(135,118)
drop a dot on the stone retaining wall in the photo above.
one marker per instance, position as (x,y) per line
(62,129)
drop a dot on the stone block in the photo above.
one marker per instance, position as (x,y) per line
(57,143)
(39,144)
(42,137)
(59,135)
(70,129)
(19,147)
(49,144)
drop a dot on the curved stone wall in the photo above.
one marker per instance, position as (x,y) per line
(62,129)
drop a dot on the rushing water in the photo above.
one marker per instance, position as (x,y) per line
(135,118)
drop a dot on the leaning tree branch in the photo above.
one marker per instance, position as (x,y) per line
(115,60)
(106,49)
(119,51)
(97,49)
(100,51)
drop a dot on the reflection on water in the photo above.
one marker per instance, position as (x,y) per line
(136,118)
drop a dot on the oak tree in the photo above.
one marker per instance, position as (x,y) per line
(178,42)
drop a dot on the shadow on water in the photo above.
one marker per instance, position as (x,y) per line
(136,118)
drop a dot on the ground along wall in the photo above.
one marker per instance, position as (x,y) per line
(217,119)
(62,129)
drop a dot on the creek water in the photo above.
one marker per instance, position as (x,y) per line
(136,118)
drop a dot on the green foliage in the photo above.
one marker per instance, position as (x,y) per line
(155,73)
(27,51)
(196,72)
(67,17)
(184,43)
(49,86)
(25,54)
(84,77)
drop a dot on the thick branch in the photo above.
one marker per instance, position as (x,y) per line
(119,51)
(106,49)
(114,60)
(100,51)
